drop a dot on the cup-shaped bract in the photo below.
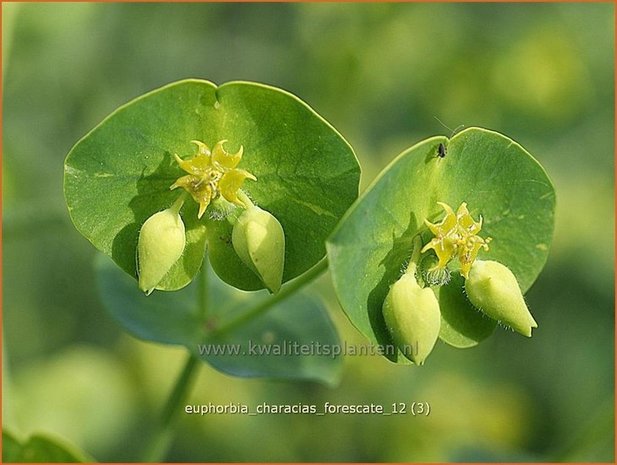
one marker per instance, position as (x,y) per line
(161,242)
(413,318)
(493,288)
(259,241)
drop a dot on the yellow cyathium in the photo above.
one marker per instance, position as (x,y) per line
(456,236)
(212,173)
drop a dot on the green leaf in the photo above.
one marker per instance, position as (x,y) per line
(273,345)
(179,318)
(40,448)
(497,178)
(11,447)
(120,173)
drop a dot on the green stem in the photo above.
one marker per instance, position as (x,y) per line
(180,390)
(245,199)
(415,256)
(202,290)
(178,203)
(267,304)
(161,440)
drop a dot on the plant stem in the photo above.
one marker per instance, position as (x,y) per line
(161,440)
(178,203)
(202,290)
(245,199)
(265,305)
(415,256)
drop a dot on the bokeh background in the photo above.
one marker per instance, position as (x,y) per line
(381,74)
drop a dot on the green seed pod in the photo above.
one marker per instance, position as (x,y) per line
(413,318)
(259,241)
(493,288)
(161,243)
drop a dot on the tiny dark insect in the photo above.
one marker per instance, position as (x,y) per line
(225,239)
(441,151)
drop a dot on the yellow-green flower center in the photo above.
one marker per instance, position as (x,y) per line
(456,236)
(211,174)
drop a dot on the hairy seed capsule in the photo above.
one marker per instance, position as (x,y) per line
(413,318)
(161,243)
(259,241)
(493,288)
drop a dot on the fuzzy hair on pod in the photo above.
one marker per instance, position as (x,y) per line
(493,288)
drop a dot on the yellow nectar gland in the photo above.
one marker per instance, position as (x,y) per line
(456,236)
(212,173)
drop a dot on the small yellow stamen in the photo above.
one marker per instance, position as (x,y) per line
(212,173)
(456,236)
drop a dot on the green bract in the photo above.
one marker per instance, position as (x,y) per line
(497,179)
(120,174)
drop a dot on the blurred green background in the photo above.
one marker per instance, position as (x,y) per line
(381,74)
